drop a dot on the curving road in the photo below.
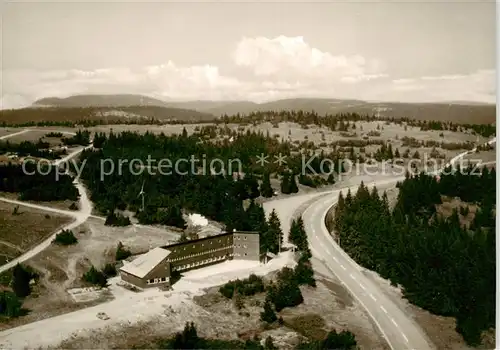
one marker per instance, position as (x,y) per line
(396,326)
(84,212)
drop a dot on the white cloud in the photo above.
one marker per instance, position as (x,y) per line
(479,86)
(292,58)
(282,67)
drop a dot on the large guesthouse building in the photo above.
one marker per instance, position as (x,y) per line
(155,267)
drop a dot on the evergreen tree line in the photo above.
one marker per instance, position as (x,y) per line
(218,197)
(189,339)
(151,115)
(37,187)
(344,340)
(39,149)
(339,122)
(442,266)
(82,138)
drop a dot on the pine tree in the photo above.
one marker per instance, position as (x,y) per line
(304,273)
(293,184)
(21,281)
(268,315)
(265,188)
(273,233)
(252,186)
(396,154)
(285,183)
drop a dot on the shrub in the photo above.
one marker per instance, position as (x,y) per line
(16,210)
(287,292)
(96,277)
(117,220)
(66,237)
(54,134)
(109,270)
(268,315)
(250,286)
(121,252)
(73,206)
(10,304)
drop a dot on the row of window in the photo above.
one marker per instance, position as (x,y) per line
(202,262)
(198,254)
(158,280)
(203,244)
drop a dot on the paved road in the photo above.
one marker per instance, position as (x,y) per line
(396,326)
(398,329)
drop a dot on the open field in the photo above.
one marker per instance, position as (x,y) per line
(63,205)
(25,229)
(8,131)
(34,135)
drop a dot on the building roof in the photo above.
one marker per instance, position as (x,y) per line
(142,265)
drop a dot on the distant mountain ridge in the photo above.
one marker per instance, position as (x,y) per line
(122,100)
(456,111)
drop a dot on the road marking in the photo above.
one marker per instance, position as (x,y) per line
(334,258)
(383,309)
(394,322)
(404,336)
(354,278)
(371,296)
(343,267)
(362,287)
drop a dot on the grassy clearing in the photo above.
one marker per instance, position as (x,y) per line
(19,232)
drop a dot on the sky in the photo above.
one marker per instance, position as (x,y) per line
(258,51)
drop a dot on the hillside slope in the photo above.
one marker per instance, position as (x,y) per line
(74,114)
(458,112)
(122,100)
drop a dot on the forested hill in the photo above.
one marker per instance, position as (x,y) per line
(112,115)
(442,266)
(453,111)
(122,100)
